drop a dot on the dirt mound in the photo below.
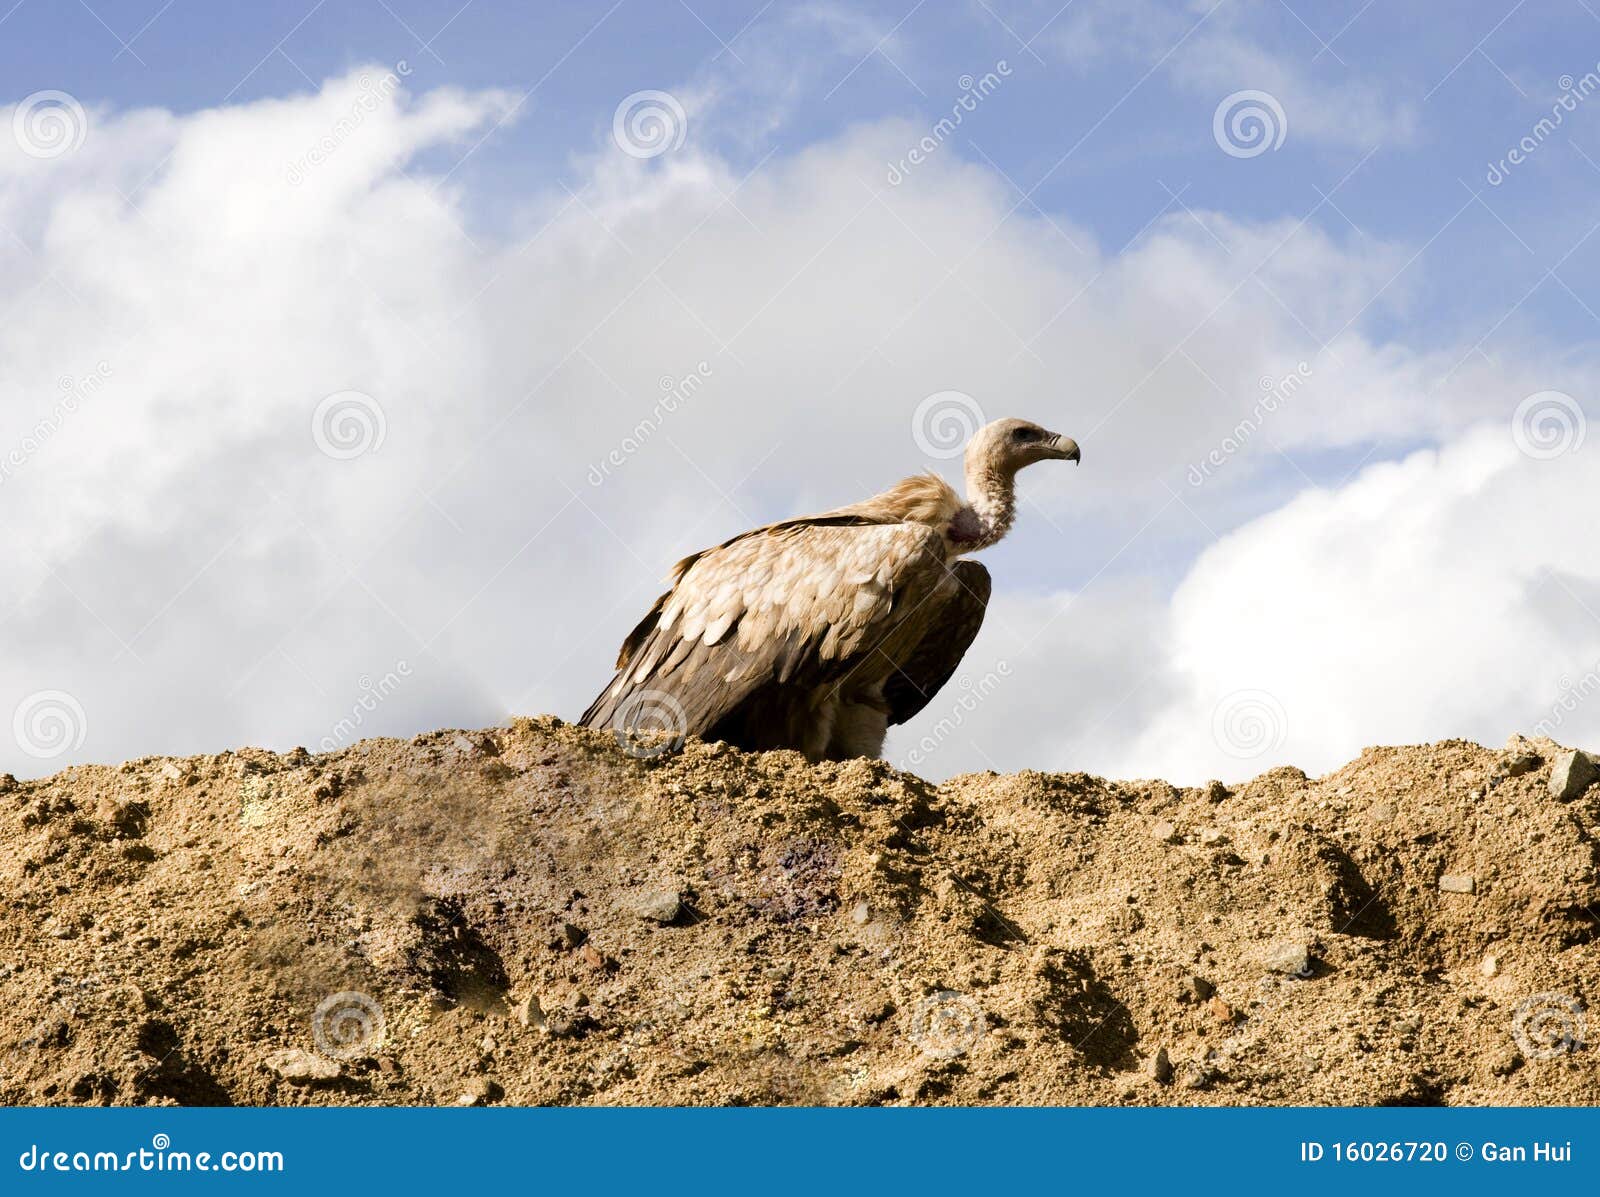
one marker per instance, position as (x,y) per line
(534,914)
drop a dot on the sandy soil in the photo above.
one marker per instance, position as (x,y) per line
(533,914)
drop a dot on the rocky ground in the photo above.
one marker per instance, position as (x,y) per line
(533,914)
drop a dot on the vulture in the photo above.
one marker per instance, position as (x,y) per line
(818,633)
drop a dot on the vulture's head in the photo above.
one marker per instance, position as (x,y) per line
(1008,445)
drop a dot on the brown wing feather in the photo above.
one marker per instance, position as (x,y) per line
(793,603)
(949,634)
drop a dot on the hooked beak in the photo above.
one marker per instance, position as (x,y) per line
(1062,448)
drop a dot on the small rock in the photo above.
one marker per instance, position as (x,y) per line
(480,1091)
(1220,1010)
(1490,966)
(1291,958)
(300,1066)
(1572,774)
(573,934)
(1216,791)
(1457,883)
(1164,831)
(861,913)
(1521,763)
(660,906)
(1159,1066)
(1384,812)
(531,1014)
(592,956)
(1212,837)
(1195,1075)
(1505,1062)
(1196,989)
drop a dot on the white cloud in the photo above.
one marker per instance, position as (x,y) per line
(184,561)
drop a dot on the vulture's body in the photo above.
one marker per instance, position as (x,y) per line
(818,633)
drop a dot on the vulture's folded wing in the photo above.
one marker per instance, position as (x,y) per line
(948,635)
(796,603)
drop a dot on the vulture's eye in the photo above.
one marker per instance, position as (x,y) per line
(1025,434)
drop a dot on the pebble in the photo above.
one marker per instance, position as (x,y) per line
(1523,762)
(531,1014)
(660,906)
(1572,774)
(1220,1010)
(573,934)
(861,913)
(1196,988)
(1490,966)
(298,1065)
(1159,1066)
(1291,958)
(1457,883)
(1212,837)
(1164,831)
(480,1091)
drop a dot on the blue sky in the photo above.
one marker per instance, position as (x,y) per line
(483,262)
(1476,75)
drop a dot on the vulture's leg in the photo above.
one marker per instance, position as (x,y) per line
(859,727)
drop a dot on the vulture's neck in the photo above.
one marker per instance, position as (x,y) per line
(992,496)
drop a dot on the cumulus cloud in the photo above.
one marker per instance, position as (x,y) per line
(286,412)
